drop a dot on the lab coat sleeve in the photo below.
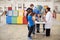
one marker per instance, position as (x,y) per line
(48,17)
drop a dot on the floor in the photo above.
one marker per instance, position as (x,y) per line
(19,32)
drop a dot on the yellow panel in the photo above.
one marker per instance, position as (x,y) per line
(21,12)
(20,20)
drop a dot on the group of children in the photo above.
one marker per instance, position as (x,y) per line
(32,17)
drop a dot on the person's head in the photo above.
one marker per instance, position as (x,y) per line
(54,11)
(29,10)
(48,9)
(31,6)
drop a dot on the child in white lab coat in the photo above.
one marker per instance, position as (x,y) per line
(48,20)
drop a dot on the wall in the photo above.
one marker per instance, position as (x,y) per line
(13,4)
(50,4)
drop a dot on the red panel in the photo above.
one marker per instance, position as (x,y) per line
(24,20)
(9,8)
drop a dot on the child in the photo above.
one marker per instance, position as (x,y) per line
(44,19)
(48,21)
(29,11)
(38,17)
(31,20)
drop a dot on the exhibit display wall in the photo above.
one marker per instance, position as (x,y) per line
(16,9)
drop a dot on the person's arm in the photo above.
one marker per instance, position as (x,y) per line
(33,18)
(48,17)
(44,18)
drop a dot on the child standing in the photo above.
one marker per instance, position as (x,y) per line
(31,20)
(38,17)
(48,21)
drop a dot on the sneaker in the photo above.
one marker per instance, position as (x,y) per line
(38,32)
(34,33)
(30,37)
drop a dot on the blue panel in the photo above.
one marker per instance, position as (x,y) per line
(9,13)
(8,19)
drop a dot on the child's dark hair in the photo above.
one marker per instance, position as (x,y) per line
(54,11)
(48,9)
(29,10)
(32,14)
(31,5)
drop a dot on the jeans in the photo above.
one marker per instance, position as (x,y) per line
(33,29)
(30,30)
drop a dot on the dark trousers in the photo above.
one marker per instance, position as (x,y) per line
(47,32)
(28,27)
(43,27)
(38,27)
(33,29)
(30,30)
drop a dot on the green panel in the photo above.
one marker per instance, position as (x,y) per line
(14,19)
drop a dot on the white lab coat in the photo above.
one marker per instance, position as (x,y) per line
(48,23)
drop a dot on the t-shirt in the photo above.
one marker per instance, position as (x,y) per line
(30,20)
(27,13)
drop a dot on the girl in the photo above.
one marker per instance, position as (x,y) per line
(31,20)
(29,10)
(48,21)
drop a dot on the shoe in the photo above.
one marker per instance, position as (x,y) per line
(30,37)
(48,36)
(43,30)
(34,33)
(38,32)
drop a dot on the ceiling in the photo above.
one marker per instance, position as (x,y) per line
(23,0)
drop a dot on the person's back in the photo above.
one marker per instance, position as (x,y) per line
(28,12)
(31,22)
